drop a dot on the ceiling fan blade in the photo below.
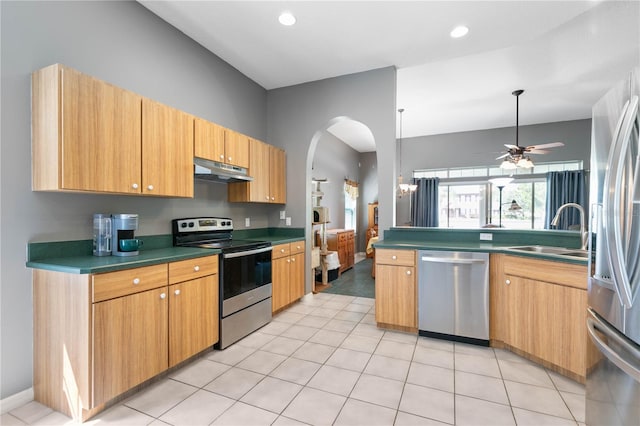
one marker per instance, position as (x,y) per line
(503,156)
(546,145)
(511,146)
(538,151)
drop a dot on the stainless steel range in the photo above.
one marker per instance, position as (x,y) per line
(245,274)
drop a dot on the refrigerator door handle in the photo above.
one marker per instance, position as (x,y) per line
(594,325)
(613,186)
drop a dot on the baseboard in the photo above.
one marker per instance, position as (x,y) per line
(16,400)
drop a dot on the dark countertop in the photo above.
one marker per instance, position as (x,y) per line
(94,265)
(460,240)
(156,249)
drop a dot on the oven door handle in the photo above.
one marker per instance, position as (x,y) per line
(246,253)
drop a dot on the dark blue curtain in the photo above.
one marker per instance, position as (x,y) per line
(565,187)
(424,202)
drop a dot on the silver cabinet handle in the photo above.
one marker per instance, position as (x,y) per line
(273,198)
(196,268)
(229,158)
(507,282)
(288,260)
(163,296)
(134,186)
(394,257)
(408,272)
(136,281)
(150,187)
(293,259)
(177,292)
(221,157)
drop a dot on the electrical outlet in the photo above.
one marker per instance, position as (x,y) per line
(247,222)
(486,236)
(283,214)
(288,221)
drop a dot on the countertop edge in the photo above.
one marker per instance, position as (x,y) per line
(487,248)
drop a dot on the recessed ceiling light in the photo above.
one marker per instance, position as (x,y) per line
(287,19)
(459,31)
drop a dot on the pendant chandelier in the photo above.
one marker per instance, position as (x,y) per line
(403,188)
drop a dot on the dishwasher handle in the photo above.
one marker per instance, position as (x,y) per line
(451,260)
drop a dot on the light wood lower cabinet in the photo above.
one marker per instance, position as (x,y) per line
(396,289)
(97,336)
(539,309)
(342,241)
(287,266)
(129,342)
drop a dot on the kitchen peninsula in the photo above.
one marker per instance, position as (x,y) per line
(537,291)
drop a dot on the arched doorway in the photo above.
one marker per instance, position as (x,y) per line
(359,150)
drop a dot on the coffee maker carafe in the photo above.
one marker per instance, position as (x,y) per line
(124,226)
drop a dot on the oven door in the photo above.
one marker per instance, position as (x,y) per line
(246,278)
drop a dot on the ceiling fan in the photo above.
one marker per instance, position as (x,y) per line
(516,155)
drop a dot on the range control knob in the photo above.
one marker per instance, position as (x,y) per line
(191,224)
(183,225)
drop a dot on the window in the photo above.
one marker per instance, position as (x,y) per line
(468,200)
(350,212)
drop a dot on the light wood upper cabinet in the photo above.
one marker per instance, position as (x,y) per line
(88,135)
(214,142)
(167,150)
(85,134)
(277,175)
(396,289)
(236,148)
(267,166)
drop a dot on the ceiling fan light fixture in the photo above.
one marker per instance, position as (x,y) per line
(525,163)
(508,165)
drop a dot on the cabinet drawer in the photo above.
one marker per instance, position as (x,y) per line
(297,247)
(342,237)
(395,257)
(190,269)
(121,283)
(280,250)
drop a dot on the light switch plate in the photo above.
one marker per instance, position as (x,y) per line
(288,221)
(247,222)
(486,236)
(283,214)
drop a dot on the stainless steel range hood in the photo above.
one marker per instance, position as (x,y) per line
(214,171)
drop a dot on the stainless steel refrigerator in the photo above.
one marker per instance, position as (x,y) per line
(613,319)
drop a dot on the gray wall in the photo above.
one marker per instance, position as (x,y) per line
(298,115)
(334,160)
(481,147)
(125,44)
(368,193)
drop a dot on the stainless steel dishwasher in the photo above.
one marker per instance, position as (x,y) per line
(453,296)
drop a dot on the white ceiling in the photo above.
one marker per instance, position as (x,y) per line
(564,54)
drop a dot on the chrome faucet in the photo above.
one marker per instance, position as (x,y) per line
(583,233)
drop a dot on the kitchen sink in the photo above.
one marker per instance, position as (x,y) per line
(541,249)
(560,251)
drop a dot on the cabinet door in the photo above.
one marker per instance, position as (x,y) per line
(296,277)
(129,342)
(167,146)
(278,175)
(236,149)
(280,269)
(208,140)
(101,124)
(259,170)
(396,296)
(193,317)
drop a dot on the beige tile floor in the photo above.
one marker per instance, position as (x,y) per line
(324,362)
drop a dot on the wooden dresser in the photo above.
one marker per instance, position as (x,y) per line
(342,241)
